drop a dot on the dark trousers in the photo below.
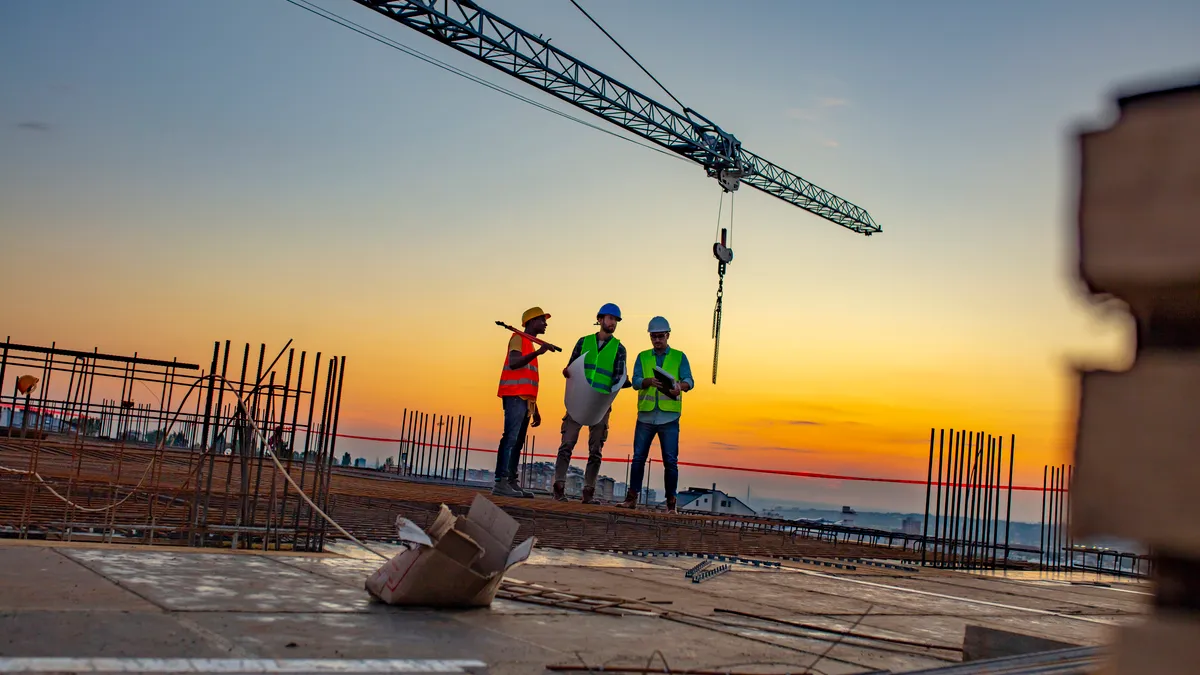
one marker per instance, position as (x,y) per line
(516,423)
(597,434)
(668,440)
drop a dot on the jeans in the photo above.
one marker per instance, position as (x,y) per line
(516,423)
(597,434)
(668,440)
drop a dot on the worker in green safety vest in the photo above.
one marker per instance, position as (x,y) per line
(603,364)
(658,410)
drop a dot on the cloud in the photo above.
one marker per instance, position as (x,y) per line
(802,114)
(829,143)
(817,112)
(803,423)
(724,446)
(33,126)
(801,451)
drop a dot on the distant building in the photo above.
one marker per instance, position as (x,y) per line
(619,490)
(574,485)
(360,463)
(706,500)
(540,476)
(604,488)
(911,525)
(480,475)
(847,516)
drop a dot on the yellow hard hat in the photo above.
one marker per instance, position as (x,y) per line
(531,314)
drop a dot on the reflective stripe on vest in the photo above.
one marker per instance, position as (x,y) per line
(598,364)
(521,381)
(649,399)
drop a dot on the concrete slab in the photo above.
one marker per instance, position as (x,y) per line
(385,632)
(94,633)
(184,603)
(216,582)
(71,585)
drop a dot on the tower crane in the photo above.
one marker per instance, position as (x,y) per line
(476,32)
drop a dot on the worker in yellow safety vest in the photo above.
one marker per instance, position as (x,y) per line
(603,364)
(518,393)
(658,410)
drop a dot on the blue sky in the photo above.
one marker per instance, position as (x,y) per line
(191,155)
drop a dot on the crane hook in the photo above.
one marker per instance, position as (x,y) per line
(724,256)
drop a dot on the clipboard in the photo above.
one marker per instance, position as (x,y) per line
(666,382)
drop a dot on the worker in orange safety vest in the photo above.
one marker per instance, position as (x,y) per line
(518,392)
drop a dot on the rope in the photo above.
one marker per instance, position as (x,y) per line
(54,492)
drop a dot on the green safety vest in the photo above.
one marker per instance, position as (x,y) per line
(598,364)
(649,399)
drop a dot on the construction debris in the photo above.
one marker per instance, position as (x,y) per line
(458,562)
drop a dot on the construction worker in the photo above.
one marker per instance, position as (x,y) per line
(603,364)
(518,392)
(658,412)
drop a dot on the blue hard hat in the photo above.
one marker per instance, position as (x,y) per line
(610,309)
(658,325)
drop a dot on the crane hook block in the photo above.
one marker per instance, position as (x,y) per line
(722,253)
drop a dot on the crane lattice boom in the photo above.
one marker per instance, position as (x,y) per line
(474,31)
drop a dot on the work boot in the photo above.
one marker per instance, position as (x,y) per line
(504,489)
(629,503)
(521,492)
(671,505)
(560,492)
(588,493)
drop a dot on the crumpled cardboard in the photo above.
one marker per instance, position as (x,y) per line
(458,562)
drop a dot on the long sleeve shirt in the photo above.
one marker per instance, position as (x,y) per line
(618,365)
(658,416)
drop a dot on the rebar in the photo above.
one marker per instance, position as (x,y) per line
(130,457)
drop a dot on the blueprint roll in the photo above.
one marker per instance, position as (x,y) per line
(584,403)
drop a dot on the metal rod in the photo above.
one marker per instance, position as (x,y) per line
(937,509)
(928,494)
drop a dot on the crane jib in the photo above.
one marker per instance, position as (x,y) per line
(485,37)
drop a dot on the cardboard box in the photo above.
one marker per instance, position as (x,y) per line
(458,562)
(1136,469)
(1163,644)
(1138,197)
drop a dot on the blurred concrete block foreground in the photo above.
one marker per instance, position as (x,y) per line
(1138,441)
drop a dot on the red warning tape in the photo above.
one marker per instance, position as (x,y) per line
(775,472)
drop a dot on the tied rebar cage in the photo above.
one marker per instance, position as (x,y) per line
(125,448)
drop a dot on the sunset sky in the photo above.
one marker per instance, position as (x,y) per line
(177,173)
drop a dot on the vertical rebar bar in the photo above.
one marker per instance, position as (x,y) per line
(996,484)
(336,417)
(459,422)
(467,449)
(937,509)
(1067,508)
(1042,545)
(1012,457)
(952,503)
(986,548)
(1053,517)
(301,505)
(928,495)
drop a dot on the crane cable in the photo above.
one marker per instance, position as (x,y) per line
(417,54)
(631,57)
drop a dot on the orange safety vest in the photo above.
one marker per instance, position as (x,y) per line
(522,381)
